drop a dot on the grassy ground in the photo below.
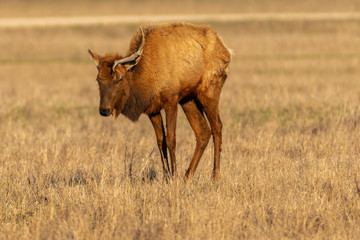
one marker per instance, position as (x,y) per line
(291,141)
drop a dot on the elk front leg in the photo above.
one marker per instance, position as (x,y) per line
(158,125)
(171,115)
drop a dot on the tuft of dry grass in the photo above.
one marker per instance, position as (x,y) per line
(291,141)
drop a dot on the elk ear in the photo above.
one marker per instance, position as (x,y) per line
(95,57)
(134,58)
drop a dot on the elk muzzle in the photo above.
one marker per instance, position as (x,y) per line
(105,112)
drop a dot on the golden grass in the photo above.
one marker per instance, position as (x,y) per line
(291,141)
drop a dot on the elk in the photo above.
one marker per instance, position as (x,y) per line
(166,65)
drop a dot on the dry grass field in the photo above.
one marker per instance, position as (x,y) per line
(291,141)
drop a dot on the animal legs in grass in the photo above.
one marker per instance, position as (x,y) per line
(198,123)
(158,125)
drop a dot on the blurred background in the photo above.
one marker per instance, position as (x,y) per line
(35,8)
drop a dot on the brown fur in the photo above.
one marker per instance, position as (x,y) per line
(181,63)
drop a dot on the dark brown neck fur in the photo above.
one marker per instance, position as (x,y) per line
(138,101)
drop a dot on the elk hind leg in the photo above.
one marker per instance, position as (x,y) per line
(210,100)
(201,129)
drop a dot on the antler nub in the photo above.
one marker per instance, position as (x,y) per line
(132,57)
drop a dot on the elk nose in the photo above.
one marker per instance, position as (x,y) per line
(104,112)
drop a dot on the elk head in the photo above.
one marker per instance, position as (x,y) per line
(113,79)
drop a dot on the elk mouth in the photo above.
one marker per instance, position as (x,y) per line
(115,113)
